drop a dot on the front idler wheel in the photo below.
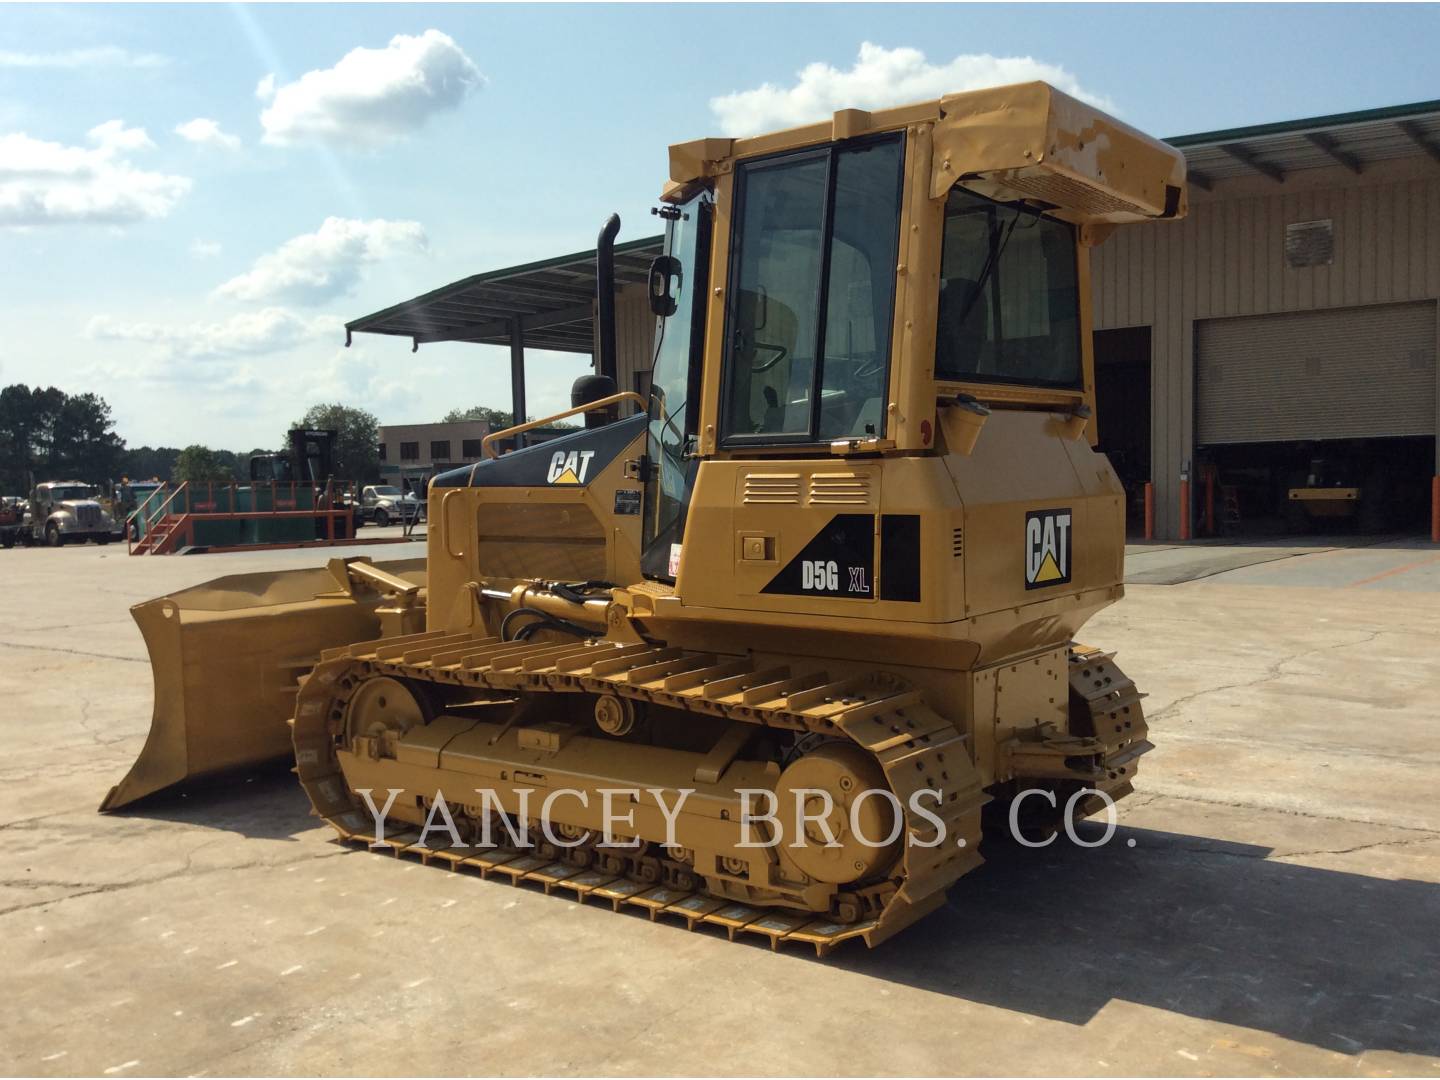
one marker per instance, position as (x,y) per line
(379,714)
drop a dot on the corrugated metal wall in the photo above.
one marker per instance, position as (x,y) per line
(1333,373)
(634,336)
(1228,258)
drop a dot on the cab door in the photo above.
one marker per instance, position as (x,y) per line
(670,461)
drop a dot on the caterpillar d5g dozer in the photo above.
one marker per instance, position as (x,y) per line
(834,570)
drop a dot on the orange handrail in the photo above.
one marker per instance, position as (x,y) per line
(184,485)
(598,403)
(135,514)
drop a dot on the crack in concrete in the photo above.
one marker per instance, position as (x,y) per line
(94,888)
(1272,856)
(1272,672)
(85,723)
(1262,808)
(21,822)
(1433,838)
(1348,754)
(73,652)
(77,626)
(42,883)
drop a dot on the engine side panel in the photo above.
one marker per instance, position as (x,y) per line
(562,510)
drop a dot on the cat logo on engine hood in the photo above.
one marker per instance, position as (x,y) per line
(569,468)
(1047,548)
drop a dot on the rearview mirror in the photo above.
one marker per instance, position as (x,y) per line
(664,269)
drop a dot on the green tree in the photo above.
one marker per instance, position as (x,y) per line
(498,419)
(355,455)
(18,436)
(83,440)
(149,462)
(46,434)
(200,463)
(236,467)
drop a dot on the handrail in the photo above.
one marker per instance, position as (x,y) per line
(326,503)
(160,513)
(598,403)
(444,523)
(133,514)
(143,504)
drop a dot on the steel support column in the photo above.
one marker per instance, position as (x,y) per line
(517,377)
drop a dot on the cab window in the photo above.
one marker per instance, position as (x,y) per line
(812,294)
(1009,307)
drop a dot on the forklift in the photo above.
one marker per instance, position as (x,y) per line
(308,463)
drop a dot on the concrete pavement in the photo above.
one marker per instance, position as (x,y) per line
(1277,912)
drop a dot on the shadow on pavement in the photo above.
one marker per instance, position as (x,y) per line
(1201,927)
(264,801)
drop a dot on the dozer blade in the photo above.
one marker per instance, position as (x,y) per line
(227,656)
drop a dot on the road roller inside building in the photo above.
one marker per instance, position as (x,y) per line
(771,653)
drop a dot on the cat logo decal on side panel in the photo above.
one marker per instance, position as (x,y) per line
(1047,548)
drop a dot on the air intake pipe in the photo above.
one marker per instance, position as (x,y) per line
(588,388)
(605,299)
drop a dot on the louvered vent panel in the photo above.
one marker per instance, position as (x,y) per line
(1065,191)
(839,489)
(958,543)
(772,488)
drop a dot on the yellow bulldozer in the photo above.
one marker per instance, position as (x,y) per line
(771,653)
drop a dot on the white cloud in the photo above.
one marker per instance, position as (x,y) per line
(206,132)
(250,333)
(372,96)
(113,138)
(319,266)
(369,379)
(880,78)
(71,59)
(48,183)
(204,249)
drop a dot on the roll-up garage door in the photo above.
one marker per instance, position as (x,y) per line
(1343,373)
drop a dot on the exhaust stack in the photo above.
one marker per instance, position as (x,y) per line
(605,298)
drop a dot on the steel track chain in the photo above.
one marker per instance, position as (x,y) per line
(915,747)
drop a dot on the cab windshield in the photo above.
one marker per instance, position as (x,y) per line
(1009,296)
(64,494)
(388,492)
(812,293)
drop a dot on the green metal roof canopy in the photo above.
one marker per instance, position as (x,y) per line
(1354,140)
(553,300)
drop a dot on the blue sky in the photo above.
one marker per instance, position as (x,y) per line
(194,198)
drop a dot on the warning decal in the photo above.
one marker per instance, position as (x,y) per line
(1047,548)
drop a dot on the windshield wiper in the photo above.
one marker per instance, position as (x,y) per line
(997,248)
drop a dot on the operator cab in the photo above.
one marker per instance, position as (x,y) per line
(308,460)
(870,290)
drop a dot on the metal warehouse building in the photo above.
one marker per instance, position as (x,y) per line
(1286,327)
(1272,356)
